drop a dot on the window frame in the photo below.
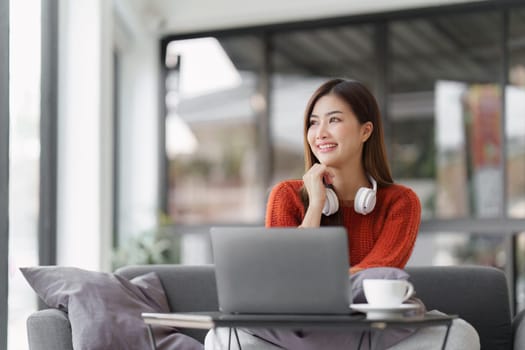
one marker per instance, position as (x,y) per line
(47,216)
(4,168)
(380,21)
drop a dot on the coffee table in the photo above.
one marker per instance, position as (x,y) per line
(215,319)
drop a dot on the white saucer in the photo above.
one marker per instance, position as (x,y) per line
(375,313)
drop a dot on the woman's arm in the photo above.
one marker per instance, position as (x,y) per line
(398,236)
(312,218)
(284,207)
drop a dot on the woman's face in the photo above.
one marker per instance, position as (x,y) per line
(334,134)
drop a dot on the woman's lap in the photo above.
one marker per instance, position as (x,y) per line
(462,336)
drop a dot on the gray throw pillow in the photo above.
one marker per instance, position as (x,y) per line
(104,309)
(358,296)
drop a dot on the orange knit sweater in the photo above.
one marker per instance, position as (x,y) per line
(385,237)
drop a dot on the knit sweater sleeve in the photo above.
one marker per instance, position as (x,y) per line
(284,207)
(398,236)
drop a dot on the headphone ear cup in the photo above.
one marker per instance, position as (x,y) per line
(370,203)
(359,200)
(331,204)
(365,201)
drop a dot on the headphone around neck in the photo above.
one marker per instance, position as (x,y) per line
(364,202)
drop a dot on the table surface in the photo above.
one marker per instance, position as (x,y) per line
(213,319)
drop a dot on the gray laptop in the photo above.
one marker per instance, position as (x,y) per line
(282,270)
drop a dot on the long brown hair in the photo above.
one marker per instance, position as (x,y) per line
(365,108)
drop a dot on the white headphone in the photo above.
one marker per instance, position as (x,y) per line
(331,204)
(364,202)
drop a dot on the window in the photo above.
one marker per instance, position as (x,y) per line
(213,109)
(24,159)
(515,140)
(445,112)
(438,78)
(445,118)
(515,123)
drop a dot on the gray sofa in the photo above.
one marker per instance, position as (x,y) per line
(477,294)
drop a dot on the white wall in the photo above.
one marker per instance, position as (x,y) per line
(84,141)
(89,31)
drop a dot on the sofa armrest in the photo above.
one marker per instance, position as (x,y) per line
(518,330)
(49,330)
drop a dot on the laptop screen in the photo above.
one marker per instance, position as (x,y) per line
(282,270)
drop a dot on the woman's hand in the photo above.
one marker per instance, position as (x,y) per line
(313,182)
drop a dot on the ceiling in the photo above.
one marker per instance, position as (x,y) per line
(462,47)
(166,17)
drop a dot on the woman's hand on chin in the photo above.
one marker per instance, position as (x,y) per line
(314,181)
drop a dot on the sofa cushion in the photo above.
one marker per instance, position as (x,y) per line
(104,309)
(199,295)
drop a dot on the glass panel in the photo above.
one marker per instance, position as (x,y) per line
(24,157)
(515,117)
(301,61)
(520,271)
(515,140)
(444,113)
(211,137)
(459,248)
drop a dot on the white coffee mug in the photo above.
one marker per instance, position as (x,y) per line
(387,293)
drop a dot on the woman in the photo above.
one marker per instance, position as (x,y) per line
(344,149)
(346,165)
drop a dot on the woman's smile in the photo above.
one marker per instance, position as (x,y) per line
(326,147)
